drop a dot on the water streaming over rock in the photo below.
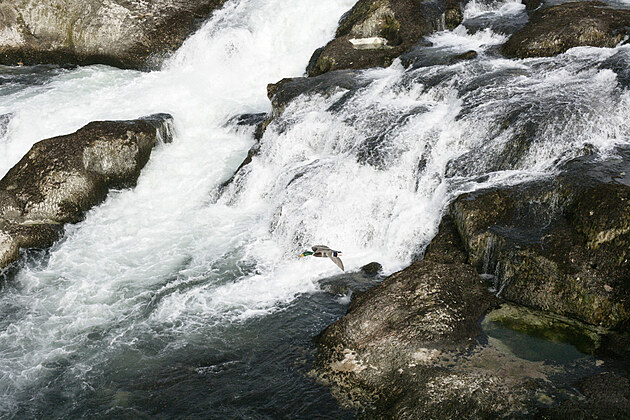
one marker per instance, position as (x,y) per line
(167,300)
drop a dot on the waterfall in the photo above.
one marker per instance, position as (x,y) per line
(163,267)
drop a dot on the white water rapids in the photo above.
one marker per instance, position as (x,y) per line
(165,260)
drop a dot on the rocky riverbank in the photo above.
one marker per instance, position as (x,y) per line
(553,256)
(62,177)
(126,34)
(412,348)
(541,260)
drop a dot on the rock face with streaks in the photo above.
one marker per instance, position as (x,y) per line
(124,33)
(560,246)
(62,177)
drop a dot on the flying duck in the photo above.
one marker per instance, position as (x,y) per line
(324,251)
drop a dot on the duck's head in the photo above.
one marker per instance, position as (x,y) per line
(305,254)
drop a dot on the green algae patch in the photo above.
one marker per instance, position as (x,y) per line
(541,335)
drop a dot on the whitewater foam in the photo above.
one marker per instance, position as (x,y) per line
(368,171)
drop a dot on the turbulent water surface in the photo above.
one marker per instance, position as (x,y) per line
(168,300)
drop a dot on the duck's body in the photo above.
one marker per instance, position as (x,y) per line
(324,251)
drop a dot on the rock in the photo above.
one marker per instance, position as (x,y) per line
(620,64)
(412,347)
(532,4)
(555,29)
(372,269)
(605,396)
(426,56)
(555,245)
(62,177)
(284,91)
(468,55)
(122,33)
(374,32)
(446,247)
(396,336)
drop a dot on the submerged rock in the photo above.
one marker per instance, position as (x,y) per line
(372,269)
(549,327)
(374,32)
(62,177)
(555,29)
(126,34)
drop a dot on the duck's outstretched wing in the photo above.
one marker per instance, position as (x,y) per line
(337,261)
(321,248)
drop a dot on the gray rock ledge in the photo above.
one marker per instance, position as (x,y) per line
(123,33)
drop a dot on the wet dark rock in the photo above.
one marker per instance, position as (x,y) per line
(62,177)
(620,64)
(532,4)
(374,32)
(555,29)
(250,119)
(423,56)
(390,350)
(372,269)
(284,91)
(557,245)
(605,396)
(259,121)
(251,153)
(468,55)
(446,247)
(126,34)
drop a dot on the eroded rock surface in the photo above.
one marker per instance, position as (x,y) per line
(555,29)
(374,32)
(123,33)
(62,177)
(559,246)
(412,346)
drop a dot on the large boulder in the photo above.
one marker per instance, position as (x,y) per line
(412,346)
(559,245)
(122,33)
(62,177)
(555,29)
(390,351)
(374,32)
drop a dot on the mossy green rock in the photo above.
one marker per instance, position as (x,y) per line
(555,29)
(548,327)
(122,33)
(401,23)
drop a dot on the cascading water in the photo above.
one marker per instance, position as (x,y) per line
(167,301)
